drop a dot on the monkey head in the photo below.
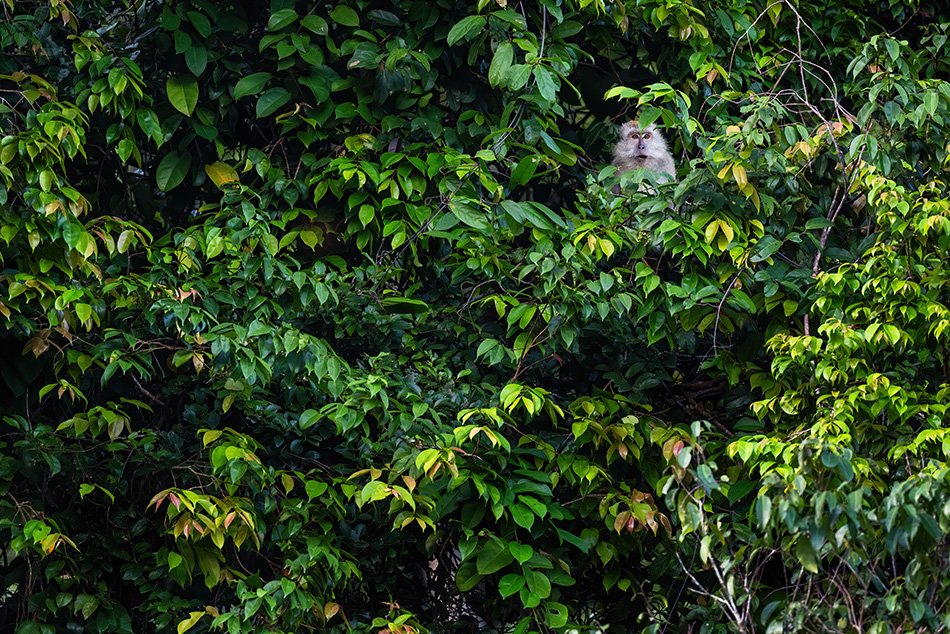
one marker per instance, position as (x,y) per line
(644,149)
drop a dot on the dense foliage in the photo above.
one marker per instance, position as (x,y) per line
(332,318)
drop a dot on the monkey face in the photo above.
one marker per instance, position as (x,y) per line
(637,144)
(643,148)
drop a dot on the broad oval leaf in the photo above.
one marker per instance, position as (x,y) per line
(345,16)
(182,93)
(196,58)
(280,19)
(172,170)
(271,100)
(510,583)
(221,173)
(538,583)
(504,56)
(464,27)
(251,85)
(467,576)
(494,557)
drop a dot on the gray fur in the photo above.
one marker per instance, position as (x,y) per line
(644,149)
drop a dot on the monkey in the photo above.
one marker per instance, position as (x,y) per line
(644,149)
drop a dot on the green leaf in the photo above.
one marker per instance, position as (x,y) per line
(467,576)
(403,305)
(517,76)
(271,100)
(196,58)
(345,16)
(319,82)
(174,560)
(763,510)
(538,507)
(251,85)
(529,599)
(28,626)
(547,83)
(462,209)
(367,214)
(555,614)
(525,169)
(504,56)
(280,19)
(315,24)
(738,490)
(85,603)
(465,27)
(522,515)
(72,234)
(493,557)
(149,124)
(521,552)
(182,93)
(200,22)
(315,488)
(510,584)
(806,554)
(893,49)
(172,170)
(538,583)
(308,418)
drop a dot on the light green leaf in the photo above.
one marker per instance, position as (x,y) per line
(521,552)
(149,123)
(806,554)
(308,418)
(315,488)
(555,614)
(522,515)
(538,583)
(182,93)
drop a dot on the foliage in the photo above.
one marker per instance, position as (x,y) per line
(329,317)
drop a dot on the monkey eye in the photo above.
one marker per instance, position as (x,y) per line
(648,135)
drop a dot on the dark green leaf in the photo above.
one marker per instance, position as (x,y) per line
(172,170)
(280,19)
(251,85)
(465,27)
(345,16)
(493,557)
(271,100)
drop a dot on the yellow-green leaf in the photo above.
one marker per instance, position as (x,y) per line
(221,173)
(183,93)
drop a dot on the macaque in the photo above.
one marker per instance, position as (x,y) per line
(644,149)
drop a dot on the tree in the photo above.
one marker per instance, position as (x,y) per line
(329,317)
